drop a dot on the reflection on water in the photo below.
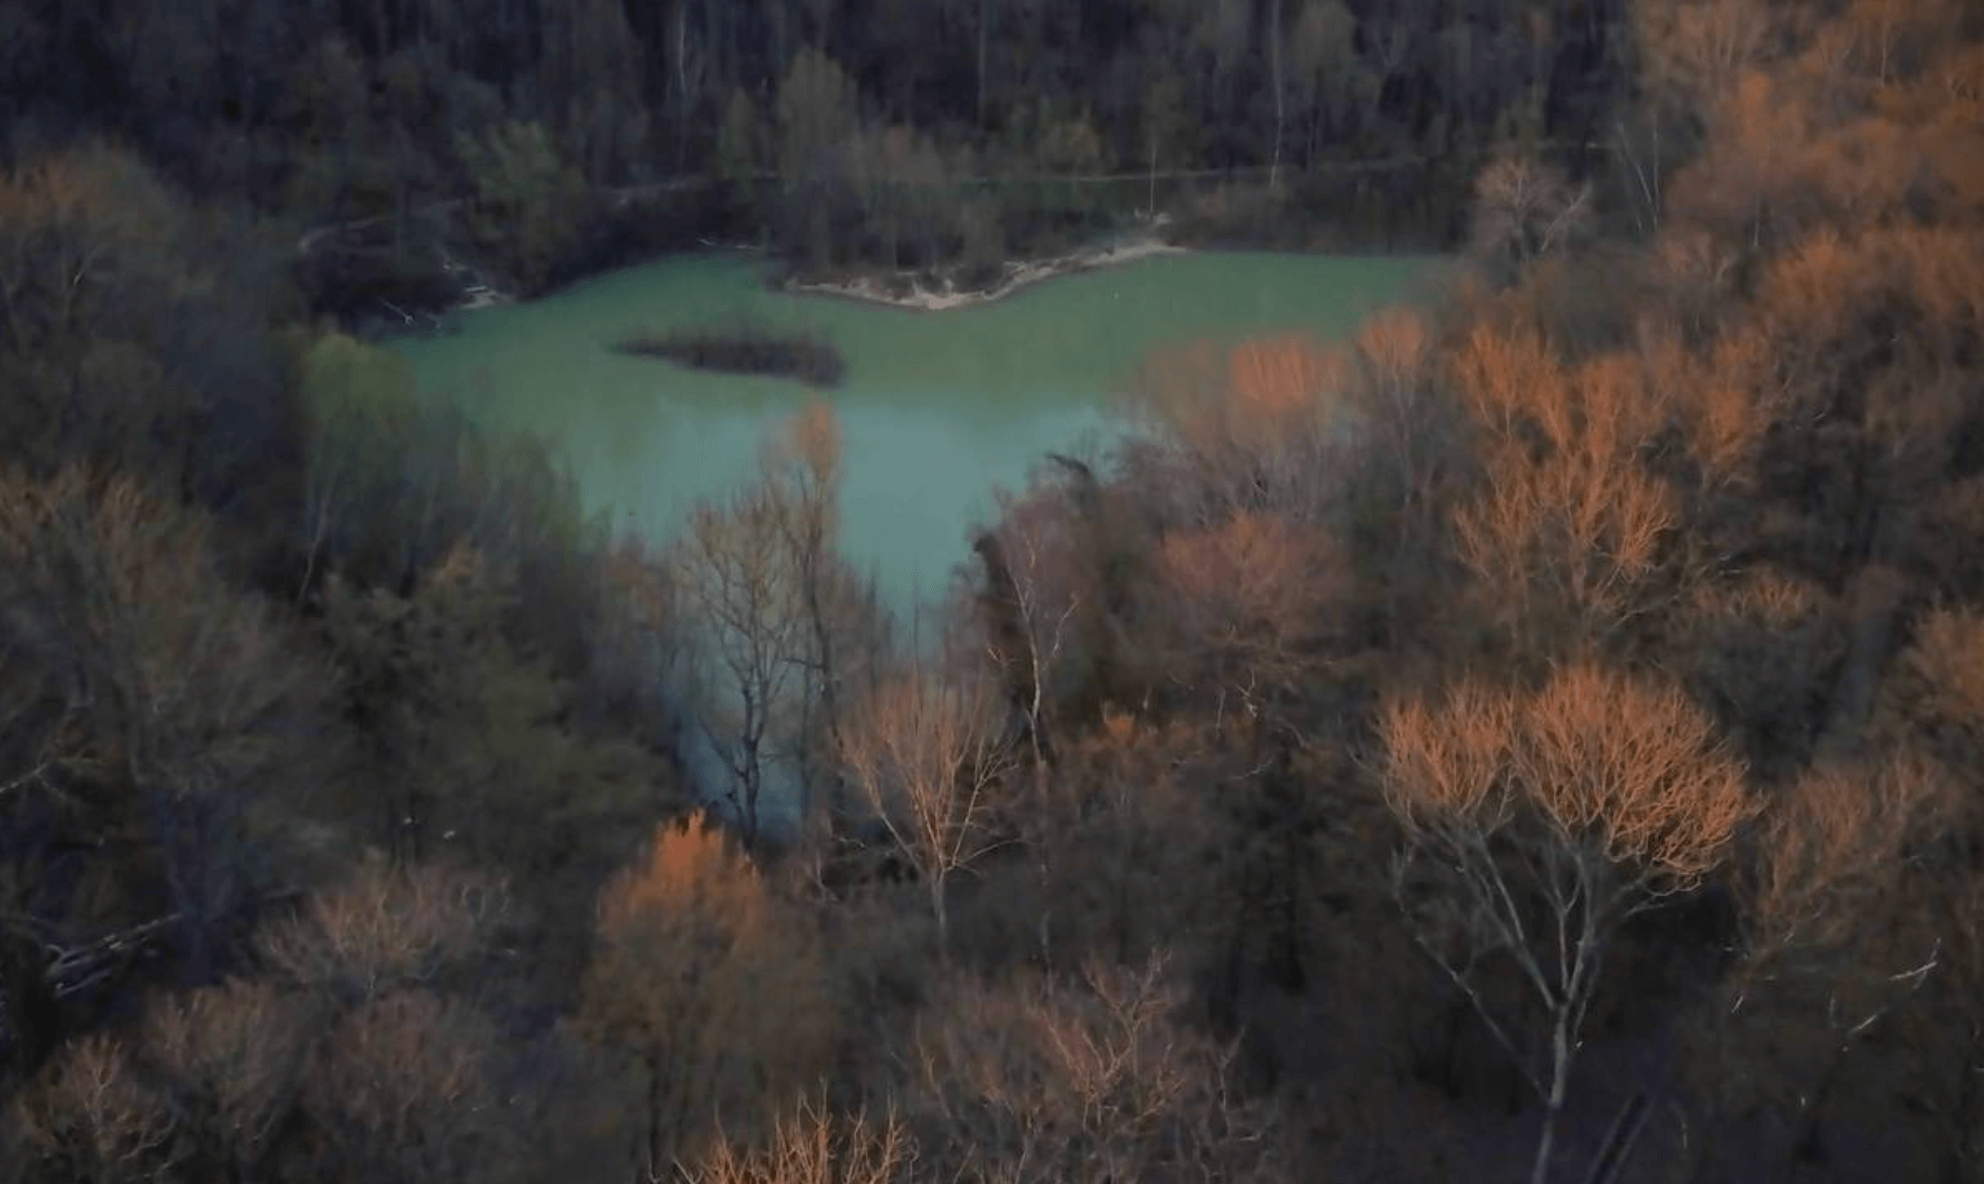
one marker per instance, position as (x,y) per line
(937,408)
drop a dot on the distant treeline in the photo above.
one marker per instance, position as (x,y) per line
(323,112)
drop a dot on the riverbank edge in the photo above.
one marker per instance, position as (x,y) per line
(908,290)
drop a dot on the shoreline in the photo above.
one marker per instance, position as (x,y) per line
(870,289)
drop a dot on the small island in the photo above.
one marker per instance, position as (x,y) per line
(744,350)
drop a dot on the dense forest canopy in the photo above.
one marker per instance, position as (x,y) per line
(848,132)
(297,103)
(1539,737)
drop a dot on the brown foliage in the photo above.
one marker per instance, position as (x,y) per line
(1727,402)
(1758,649)
(128,328)
(236,1055)
(1937,690)
(1119,839)
(1831,844)
(1833,944)
(711,984)
(1250,599)
(122,588)
(1696,51)
(1095,1081)
(163,702)
(1449,758)
(1628,764)
(402,1089)
(1274,376)
(90,1118)
(1636,762)
(385,928)
(1746,187)
(1259,426)
(1857,124)
(1399,416)
(1570,536)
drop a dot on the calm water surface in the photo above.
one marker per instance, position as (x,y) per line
(937,409)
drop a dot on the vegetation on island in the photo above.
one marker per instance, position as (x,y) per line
(1541,736)
(744,349)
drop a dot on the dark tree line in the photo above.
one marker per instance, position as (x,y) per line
(871,113)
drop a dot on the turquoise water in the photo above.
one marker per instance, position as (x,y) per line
(937,409)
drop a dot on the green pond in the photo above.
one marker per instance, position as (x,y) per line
(938,409)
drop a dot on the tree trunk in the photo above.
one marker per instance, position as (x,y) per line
(1280,97)
(940,910)
(984,21)
(823,640)
(1553,1105)
(681,85)
(1811,1107)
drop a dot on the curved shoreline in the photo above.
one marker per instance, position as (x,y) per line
(872,290)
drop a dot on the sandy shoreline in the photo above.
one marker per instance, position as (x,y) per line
(872,290)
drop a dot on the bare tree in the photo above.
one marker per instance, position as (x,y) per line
(1546,821)
(782,621)
(235,1056)
(91,1118)
(1092,1081)
(169,685)
(1280,88)
(385,928)
(929,751)
(1399,418)
(1826,955)
(1250,604)
(1525,209)
(1933,707)
(747,600)
(801,464)
(402,1090)
(1032,592)
(1571,538)
(1694,51)
(1260,426)
(814,1146)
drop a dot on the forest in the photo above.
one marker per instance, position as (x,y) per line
(1540,738)
(562,135)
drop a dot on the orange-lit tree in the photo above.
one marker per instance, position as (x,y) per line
(1539,823)
(1570,538)
(705,981)
(1260,426)
(812,1145)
